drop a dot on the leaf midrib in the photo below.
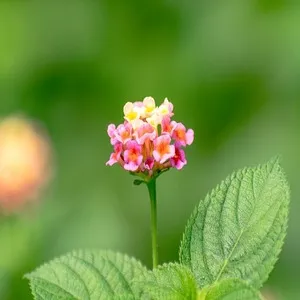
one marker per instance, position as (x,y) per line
(226,261)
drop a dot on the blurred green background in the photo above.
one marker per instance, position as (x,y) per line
(232,70)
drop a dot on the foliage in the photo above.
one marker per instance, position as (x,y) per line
(85,275)
(230,246)
(229,289)
(170,281)
(238,230)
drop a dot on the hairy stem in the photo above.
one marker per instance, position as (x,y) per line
(151,185)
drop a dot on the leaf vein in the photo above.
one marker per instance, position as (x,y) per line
(111,290)
(78,276)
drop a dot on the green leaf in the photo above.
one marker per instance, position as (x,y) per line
(86,275)
(229,289)
(170,281)
(239,228)
(138,182)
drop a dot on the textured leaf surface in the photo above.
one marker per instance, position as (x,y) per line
(167,282)
(229,289)
(86,275)
(239,228)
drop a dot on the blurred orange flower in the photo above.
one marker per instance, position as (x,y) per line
(24,162)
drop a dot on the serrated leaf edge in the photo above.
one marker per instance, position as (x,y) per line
(30,276)
(274,161)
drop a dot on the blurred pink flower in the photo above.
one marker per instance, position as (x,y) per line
(24,162)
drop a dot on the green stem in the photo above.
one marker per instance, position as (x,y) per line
(151,185)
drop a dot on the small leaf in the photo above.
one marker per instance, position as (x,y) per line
(167,282)
(229,289)
(86,275)
(239,228)
(138,182)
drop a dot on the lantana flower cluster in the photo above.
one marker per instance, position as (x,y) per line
(149,141)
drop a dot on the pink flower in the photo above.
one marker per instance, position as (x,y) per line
(111,131)
(167,126)
(146,131)
(162,149)
(149,163)
(132,156)
(116,155)
(178,161)
(124,133)
(182,136)
(148,141)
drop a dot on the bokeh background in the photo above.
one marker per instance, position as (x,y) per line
(232,70)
